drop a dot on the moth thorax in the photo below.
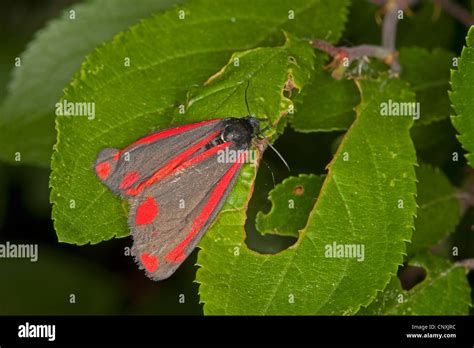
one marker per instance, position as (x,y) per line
(238,135)
(239,131)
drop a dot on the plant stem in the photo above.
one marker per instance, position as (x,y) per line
(467,263)
(456,11)
(450,7)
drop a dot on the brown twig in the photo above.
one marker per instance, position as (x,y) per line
(456,11)
(465,194)
(452,8)
(466,200)
(344,56)
(389,28)
(353,53)
(467,263)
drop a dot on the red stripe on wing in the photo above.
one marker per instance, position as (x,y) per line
(202,156)
(129,179)
(171,165)
(177,254)
(164,134)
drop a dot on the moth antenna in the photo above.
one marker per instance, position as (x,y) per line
(245,95)
(279,155)
(271,172)
(268,142)
(276,151)
(266,119)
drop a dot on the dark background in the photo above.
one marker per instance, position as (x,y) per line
(102,278)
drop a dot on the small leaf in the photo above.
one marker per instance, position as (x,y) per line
(326,104)
(265,70)
(168,56)
(462,81)
(428,75)
(444,291)
(292,201)
(438,209)
(357,206)
(48,63)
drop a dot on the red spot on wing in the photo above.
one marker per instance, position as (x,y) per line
(150,262)
(146,211)
(103,170)
(129,180)
(171,165)
(177,254)
(164,134)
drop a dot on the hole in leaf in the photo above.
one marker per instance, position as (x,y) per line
(299,190)
(410,276)
(307,153)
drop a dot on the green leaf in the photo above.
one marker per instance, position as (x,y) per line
(436,143)
(292,201)
(48,64)
(358,204)
(265,70)
(326,104)
(444,291)
(462,81)
(433,135)
(168,56)
(428,75)
(438,209)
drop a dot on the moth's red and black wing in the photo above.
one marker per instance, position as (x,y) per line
(123,171)
(169,218)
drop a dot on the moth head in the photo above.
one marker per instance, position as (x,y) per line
(240,131)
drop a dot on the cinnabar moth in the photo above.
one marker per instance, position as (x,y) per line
(175,186)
